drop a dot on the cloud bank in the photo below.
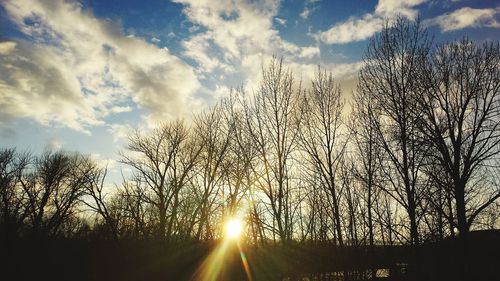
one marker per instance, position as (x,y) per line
(74,69)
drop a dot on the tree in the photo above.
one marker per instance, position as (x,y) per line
(159,163)
(273,128)
(321,138)
(388,76)
(13,211)
(240,156)
(97,202)
(54,188)
(367,151)
(215,136)
(460,118)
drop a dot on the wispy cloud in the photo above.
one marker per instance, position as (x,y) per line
(280,21)
(363,27)
(120,132)
(7,47)
(467,18)
(309,7)
(309,52)
(305,13)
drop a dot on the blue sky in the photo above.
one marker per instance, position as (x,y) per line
(78,75)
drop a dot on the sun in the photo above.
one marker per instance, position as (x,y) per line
(233,228)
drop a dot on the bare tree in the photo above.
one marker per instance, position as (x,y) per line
(460,117)
(182,172)
(215,136)
(241,156)
(54,189)
(321,138)
(96,199)
(13,211)
(130,206)
(273,129)
(156,160)
(389,78)
(367,153)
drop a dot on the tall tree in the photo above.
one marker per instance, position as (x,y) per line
(388,76)
(215,138)
(273,128)
(366,151)
(460,118)
(321,138)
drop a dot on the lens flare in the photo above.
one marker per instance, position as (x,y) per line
(233,228)
(212,268)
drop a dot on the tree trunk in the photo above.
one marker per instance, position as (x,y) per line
(463,227)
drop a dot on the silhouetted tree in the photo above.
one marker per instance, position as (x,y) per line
(54,188)
(156,160)
(366,152)
(273,128)
(13,208)
(460,118)
(321,138)
(96,199)
(388,76)
(215,136)
(240,157)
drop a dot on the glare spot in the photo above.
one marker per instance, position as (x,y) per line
(233,228)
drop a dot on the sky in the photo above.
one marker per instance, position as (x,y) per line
(78,75)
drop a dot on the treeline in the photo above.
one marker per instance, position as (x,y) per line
(411,156)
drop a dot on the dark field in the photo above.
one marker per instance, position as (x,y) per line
(473,258)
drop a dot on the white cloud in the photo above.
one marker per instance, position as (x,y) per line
(346,70)
(102,162)
(238,37)
(363,27)
(309,8)
(280,21)
(198,48)
(467,17)
(392,8)
(250,27)
(354,29)
(305,13)
(221,91)
(75,69)
(194,28)
(37,83)
(309,52)
(155,40)
(239,45)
